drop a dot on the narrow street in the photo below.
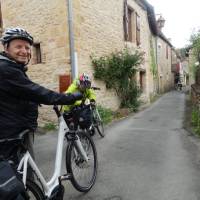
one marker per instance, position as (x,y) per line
(148,156)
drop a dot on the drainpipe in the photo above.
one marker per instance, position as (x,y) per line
(158,79)
(74,67)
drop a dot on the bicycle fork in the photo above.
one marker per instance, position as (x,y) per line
(80,148)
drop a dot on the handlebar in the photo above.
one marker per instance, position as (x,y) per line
(95,88)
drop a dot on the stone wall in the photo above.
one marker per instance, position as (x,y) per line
(47,21)
(166,76)
(98,30)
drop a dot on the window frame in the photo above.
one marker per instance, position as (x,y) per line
(37,54)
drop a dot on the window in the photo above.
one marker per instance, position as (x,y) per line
(141,79)
(128,23)
(131,25)
(128,26)
(37,57)
(137,29)
(130,39)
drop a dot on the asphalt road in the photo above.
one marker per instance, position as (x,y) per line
(147,156)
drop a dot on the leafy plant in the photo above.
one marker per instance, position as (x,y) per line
(196,121)
(49,126)
(153,65)
(106,114)
(195,43)
(118,71)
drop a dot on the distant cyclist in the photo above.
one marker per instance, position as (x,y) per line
(83,85)
(180,85)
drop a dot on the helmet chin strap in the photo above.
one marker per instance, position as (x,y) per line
(28,60)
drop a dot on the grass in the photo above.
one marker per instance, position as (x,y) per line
(106,114)
(50,126)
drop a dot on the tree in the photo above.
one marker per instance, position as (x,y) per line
(195,42)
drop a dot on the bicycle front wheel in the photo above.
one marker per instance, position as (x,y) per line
(33,191)
(98,123)
(100,128)
(83,173)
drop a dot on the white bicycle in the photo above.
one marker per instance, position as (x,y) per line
(81,162)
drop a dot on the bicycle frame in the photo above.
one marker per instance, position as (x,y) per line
(97,113)
(54,181)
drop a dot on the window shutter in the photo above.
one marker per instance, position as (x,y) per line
(137,29)
(125,20)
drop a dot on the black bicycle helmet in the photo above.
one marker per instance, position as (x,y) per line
(16,33)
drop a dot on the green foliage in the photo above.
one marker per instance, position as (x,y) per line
(196,121)
(153,68)
(195,40)
(195,43)
(50,126)
(118,72)
(194,70)
(106,114)
(183,52)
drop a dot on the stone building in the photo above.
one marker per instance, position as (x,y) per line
(164,56)
(98,29)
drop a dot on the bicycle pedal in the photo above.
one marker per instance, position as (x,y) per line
(65,177)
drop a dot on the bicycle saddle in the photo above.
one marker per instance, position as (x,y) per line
(19,138)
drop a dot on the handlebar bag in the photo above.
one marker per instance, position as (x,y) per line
(10,185)
(85,118)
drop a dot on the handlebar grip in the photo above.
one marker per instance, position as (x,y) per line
(95,88)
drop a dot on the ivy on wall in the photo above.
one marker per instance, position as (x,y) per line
(153,65)
(118,71)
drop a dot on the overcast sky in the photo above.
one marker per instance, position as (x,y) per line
(182,17)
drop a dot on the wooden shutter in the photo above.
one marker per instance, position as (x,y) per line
(137,29)
(125,20)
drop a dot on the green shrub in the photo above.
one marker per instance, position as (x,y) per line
(195,120)
(118,71)
(50,126)
(106,114)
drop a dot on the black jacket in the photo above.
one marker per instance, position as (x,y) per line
(19,98)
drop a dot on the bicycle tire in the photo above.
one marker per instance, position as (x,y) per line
(33,190)
(99,124)
(100,129)
(75,164)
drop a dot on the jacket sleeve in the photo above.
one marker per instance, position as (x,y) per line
(72,89)
(19,85)
(91,95)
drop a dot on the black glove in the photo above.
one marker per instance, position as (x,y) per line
(77,96)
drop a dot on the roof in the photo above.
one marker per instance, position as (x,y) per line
(152,21)
(162,36)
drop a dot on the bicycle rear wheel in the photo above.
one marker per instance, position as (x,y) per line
(83,173)
(33,191)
